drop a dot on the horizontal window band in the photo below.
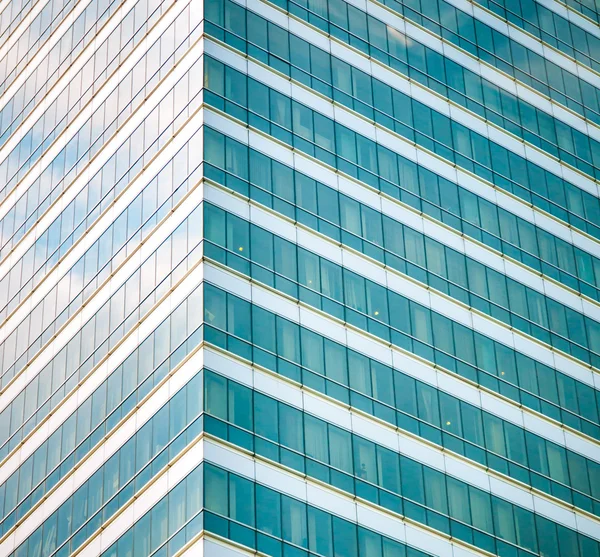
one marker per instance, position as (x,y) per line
(72,153)
(228,459)
(480,40)
(383,351)
(575,56)
(94,331)
(575,17)
(412,184)
(409,413)
(394,245)
(30,145)
(419,122)
(477,85)
(125,386)
(551,28)
(512,384)
(383,68)
(338,448)
(242,179)
(315,266)
(131,458)
(61,293)
(577,7)
(382,392)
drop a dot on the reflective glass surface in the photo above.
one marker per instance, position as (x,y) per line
(373,472)
(401,247)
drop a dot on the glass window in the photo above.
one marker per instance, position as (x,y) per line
(241,499)
(316,438)
(344,538)
(319,531)
(293,517)
(340,449)
(268,511)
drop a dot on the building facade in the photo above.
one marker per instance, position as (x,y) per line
(300,277)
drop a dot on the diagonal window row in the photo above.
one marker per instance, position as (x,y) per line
(312,446)
(549,27)
(117,316)
(66,108)
(430,68)
(394,318)
(125,387)
(298,125)
(393,244)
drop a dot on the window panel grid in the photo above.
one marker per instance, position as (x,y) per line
(67,107)
(394,318)
(589,8)
(502,52)
(584,347)
(336,145)
(117,316)
(12,14)
(52,67)
(416,121)
(396,245)
(88,427)
(111,487)
(118,241)
(427,66)
(391,395)
(121,104)
(550,28)
(37,33)
(377,474)
(184,516)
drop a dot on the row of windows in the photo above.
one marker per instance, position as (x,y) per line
(262,518)
(289,192)
(529,383)
(549,27)
(101,333)
(448,78)
(54,65)
(145,141)
(422,401)
(400,247)
(418,399)
(383,312)
(499,50)
(78,92)
(131,226)
(397,398)
(12,14)
(27,45)
(406,116)
(590,8)
(120,478)
(124,100)
(103,257)
(286,434)
(172,523)
(154,357)
(394,175)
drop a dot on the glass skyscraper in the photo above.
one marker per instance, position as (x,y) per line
(300,278)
